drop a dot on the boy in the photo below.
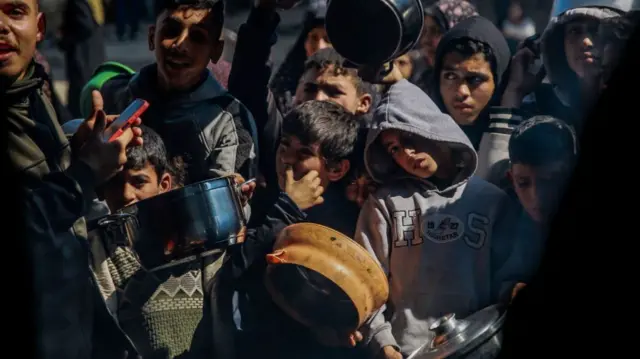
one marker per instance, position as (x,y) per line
(158,317)
(147,173)
(439,232)
(57,180)
(542,152)
(192,112)
(317,142)
(313,157)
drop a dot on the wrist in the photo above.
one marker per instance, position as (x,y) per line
(512,97)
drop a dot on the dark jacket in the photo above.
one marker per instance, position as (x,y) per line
(57,190)
(249,83)
(212,130)
(243,310)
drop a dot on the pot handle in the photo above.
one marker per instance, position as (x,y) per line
(276,257)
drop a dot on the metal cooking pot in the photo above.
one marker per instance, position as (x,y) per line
(179,223)
(373,32)
(477,336)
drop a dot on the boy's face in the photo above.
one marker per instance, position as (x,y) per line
(417,156)
(184,44)
(429,39)
(131,186)
(316,40)
(539,188)
(466,86)
(405,65)
(21,28)
(325,85)
(303,159)
(579,44)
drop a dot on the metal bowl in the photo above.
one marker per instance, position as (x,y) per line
(179,223)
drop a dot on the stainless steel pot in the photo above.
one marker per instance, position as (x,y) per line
(373,32)
(479,336)
(179,223)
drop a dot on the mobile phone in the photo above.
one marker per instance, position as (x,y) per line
(126,118)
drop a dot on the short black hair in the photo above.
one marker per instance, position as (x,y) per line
(327,124)
(216,7)
(468,47)
(329,57)
(152,151)
(542,140)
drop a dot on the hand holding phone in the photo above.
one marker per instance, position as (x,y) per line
(124,121)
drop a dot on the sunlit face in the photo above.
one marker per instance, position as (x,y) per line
(21,28)
(405,65)
(579,45)
(183,44)
(317,39)
(301,158)
(131,186)
(466,86)
(429,39)
(539,190)
(326,85)
(418,157)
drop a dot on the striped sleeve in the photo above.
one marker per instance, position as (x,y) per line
(503,120)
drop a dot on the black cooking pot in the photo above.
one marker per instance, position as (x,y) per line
(478,336)
(373,32)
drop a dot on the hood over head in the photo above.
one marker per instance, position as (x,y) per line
(407,108)
(482,30)
(448,13)
(554,57)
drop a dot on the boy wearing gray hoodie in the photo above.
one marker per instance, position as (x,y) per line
(439,232)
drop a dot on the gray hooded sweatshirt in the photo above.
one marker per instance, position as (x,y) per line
(439,245)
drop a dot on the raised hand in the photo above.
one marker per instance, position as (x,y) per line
(305,193)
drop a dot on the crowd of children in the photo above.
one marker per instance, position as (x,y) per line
(448,172)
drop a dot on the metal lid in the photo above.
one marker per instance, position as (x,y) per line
(456,336)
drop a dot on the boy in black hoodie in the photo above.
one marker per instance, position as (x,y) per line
(471,61)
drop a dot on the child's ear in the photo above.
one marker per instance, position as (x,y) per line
(339,170)
(510,176)
(216,51)
(364,104)
(166,183)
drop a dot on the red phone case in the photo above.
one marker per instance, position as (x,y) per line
(129,121)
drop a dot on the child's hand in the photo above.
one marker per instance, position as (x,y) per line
(305,193)
(389,352)
(247,189)
(516,289)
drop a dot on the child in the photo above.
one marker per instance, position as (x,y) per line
(147,173)
(312,160)
(192,112)
(542,152)
(439,232)
(318,139)
(159,309)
